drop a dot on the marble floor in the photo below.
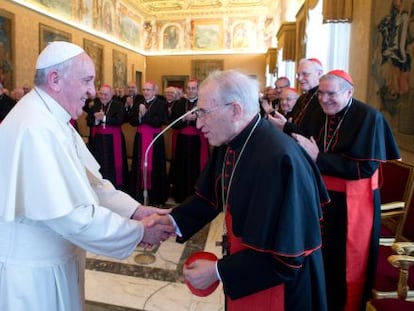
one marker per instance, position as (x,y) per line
(126,285)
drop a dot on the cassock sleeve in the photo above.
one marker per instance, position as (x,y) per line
(249,271)
(98,230)
(338,165)
(290,128)
(192,215)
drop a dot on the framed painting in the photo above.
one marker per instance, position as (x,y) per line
(391,76)
(119,62)
(7,60)
(48,34)
(95,51)
(176,81)
(201,68)
(207,34)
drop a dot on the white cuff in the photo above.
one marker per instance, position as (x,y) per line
(217,272)
(177,230)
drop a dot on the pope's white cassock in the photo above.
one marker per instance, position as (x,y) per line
(54,205)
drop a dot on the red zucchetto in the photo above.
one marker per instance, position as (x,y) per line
(342,74)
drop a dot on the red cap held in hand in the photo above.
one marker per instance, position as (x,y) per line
(196,256)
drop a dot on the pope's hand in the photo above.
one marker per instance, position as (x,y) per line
(144,211)
(158,228)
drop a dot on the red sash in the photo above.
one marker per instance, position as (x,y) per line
(269,299)
(115,131)
(147,133)
(360,213)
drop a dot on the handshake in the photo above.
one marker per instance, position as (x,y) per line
(158,225)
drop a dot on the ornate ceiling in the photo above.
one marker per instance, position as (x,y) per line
(198,8)
(158,27)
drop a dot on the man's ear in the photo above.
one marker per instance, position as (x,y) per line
(237,109)
(53,79)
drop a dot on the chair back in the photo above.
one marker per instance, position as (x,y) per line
(396,179)
(405,229)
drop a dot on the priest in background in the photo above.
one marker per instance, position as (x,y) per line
(105,118)
(189,146)
(148,116)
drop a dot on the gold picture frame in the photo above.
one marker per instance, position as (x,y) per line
(207,34)
(200,69)
(7,56)
(119,64)
(49,34)
(96,53)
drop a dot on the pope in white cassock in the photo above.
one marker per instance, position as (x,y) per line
(54,204)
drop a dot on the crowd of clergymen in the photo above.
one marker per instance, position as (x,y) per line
(315,119)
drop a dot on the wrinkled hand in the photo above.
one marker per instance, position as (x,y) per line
(144,211)
(277,120)
(157,228)
(310,145)
(201,273)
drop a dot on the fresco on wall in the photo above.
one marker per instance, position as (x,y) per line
(123,23)
(84,11)
(64,7)
(108,17)
(391,67)
(207,35)
(129,26)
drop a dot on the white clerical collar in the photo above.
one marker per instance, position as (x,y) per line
(150,100)
(53,106)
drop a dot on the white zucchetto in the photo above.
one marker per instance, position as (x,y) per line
(57,52)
